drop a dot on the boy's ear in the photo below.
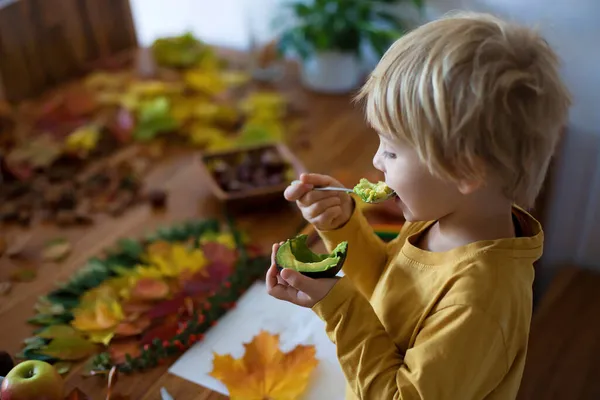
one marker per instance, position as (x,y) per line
(474,182)
(469,186)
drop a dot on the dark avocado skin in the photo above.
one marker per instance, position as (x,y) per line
(329,273)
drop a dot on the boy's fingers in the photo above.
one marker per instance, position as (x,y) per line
(296,191)
(298,281)
(272,277)
(286,293)
(274,249)
(328,216)
(321,206)
(319,180)
(315,196)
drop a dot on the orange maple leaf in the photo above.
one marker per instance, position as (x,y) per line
(264,372)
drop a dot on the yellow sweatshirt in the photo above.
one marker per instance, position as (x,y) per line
(412,324)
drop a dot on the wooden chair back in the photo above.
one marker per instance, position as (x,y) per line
(46,42)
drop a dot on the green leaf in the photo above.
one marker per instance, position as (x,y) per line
(72,349)
(301,9)
(58,331)
(62,367)
(47,319)
(132,248)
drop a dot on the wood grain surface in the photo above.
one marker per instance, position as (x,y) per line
(45,42)
(335,139)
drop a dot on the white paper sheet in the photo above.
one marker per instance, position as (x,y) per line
(256,311)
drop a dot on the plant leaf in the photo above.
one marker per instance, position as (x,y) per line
(23,275)
(49,319)
(5,288)
(118,350)
(56,250)
(77,394)
(63,367)
(73,348)
(264,371)
(150,289)
(164,331)
(134,327)
(58,331)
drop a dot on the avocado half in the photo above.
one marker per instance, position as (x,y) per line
(295,254)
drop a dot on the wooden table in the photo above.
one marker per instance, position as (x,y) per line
(339,138)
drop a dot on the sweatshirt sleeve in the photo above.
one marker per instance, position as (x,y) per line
(367,253)
(458,353)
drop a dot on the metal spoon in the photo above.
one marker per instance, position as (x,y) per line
(342,189)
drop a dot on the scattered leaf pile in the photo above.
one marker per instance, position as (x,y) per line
(145,300)
(194,99)
(264,372)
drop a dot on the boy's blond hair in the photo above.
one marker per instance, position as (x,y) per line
(471,90)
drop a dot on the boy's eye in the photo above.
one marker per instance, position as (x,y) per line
(387,154)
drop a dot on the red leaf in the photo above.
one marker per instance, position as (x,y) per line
(133,328)
(119,348)
(219,253)
(77,394)
(136,307)
(167,307)
(150,289)
(202,283)
(164,331)
(123,125)
(79,102)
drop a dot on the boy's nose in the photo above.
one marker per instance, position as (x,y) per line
(377,163)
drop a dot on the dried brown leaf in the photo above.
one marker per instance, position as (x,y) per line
(23,275)
(5,288)
(56,250)
(16,244)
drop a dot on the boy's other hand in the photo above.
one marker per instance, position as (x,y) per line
(292,286)
(326,210)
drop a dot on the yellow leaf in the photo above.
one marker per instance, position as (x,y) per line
(225,239)
(264,371)
(204,134)
(235,78)
(103,337)
(264,103)
(73,348)
(178,258)
(58,331)
(204,81)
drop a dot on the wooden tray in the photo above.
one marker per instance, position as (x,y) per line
(253,198)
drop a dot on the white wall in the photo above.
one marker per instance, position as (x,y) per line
(221,22)
(571,26)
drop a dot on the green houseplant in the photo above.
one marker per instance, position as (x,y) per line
(330,37)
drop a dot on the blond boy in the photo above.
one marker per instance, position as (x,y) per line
(468,110)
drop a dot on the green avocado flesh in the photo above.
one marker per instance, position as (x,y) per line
(295,254)
(370,192)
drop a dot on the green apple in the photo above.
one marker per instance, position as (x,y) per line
(31,380)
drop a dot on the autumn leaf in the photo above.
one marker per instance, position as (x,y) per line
(59,331)
(264,371)
(118,349)
(132,328)
(72,348)
(23,275)
(166,307)
(56,250)
(63,367)
(5,288)
(150,289)
(164,331)
(77,394)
